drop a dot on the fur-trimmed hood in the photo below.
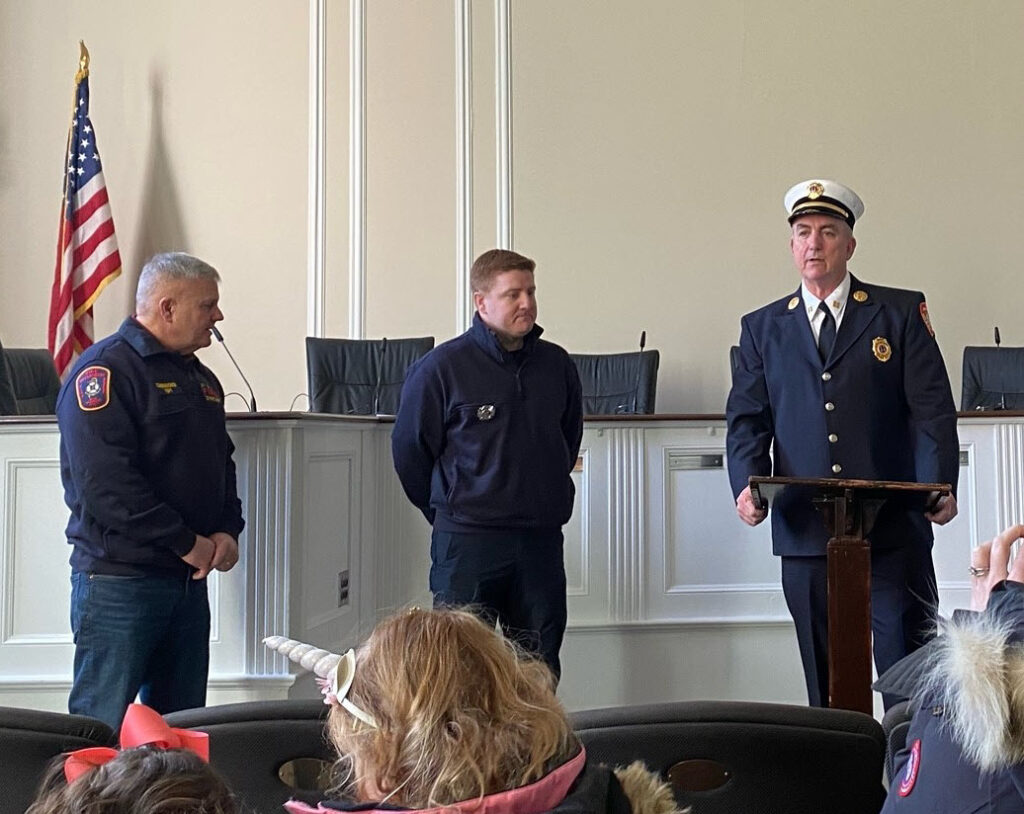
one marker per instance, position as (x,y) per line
(646,793)
(977,675)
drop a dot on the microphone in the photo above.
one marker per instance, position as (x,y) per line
(636,384)
(1002,394)
(380,373)
(252,396)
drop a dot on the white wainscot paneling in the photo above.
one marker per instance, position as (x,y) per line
(654,663)
(330,548)
(951,553)
(35,639)
(704,563)
(990,498)
(586,534)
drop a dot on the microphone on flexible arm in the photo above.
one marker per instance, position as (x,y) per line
(380,373)
(1002,395)
(252,396)
(639,370)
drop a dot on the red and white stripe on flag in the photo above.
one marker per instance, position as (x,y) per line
(87,255)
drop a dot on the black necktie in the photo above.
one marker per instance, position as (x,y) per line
(827,334)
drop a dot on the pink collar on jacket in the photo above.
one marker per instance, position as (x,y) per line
(535,798)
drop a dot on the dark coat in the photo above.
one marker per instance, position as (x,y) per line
(145,456)
(485,438)
(965,747)
(880,408)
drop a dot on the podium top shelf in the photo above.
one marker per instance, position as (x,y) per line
(765,489)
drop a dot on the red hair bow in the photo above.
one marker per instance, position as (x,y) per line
(142,726)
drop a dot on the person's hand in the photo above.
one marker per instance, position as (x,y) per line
(990,565)
(747,510)
(225,555)
(201,556)
(945,510)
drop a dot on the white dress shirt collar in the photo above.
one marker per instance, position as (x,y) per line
(836,302)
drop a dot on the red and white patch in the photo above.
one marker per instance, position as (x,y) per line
(209,393)
(910,772)
(924,315)
(92,386)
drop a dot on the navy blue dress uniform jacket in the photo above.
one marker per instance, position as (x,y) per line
(486,438)
(145,456)
(879,408)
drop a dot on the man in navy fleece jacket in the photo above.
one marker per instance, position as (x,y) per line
(488,429)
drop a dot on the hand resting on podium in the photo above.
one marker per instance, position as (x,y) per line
(748,509)
(945,510)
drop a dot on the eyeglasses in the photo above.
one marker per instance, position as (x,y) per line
(344,673)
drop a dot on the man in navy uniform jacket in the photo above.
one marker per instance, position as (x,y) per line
(148,475)
(843,379)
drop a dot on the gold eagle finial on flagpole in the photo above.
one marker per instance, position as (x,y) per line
(83,62)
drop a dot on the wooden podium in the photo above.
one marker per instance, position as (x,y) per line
(849,509)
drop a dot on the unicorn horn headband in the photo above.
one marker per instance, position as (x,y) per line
(336,671)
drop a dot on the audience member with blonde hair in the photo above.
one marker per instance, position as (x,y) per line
(439,712)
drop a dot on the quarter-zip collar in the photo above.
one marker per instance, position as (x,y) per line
(491,345)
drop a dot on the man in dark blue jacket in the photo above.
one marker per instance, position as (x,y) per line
(148,476)
(843,379)
(488,430)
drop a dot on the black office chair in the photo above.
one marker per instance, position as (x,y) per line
(896,726)
(33,379)
(359,376)
(30,739)
(993,379)
(8,404)
(723,757)
(618,382)
(268,751)
(734,358)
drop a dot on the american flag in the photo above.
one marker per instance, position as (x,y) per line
(87,255)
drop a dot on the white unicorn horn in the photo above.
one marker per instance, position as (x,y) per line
(322,662)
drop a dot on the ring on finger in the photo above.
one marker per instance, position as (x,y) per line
(978,572)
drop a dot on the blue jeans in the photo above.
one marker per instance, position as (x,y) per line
(147,636)
(514,578)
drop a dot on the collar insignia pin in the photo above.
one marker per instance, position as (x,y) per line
(793,303)
(860,296)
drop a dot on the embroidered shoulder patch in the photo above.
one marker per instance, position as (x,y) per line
(209,393)
(924,315)
(92,386)
(910,772)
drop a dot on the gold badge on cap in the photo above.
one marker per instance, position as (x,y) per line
(793,303)
(815,190)
(485,412)
(881,348)
(860,296)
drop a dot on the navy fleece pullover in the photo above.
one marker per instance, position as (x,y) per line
(485,438)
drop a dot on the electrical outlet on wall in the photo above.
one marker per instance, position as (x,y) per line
(342,588)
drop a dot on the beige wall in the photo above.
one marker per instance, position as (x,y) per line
(652,144)
(200,112)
